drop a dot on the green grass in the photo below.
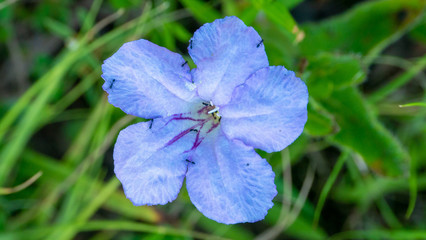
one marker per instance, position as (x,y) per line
(357,172)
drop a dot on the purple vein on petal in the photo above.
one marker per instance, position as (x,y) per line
(197,141)
(183,133)
(180,117)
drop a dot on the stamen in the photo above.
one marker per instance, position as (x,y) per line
(214,110)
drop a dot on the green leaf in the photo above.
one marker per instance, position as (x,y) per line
(381,234)
(419,32)
(202,11)
(320,122)
(102,225)
(248,15)
(278,46)
(328,185)
(373,189)
(230,8)
(301,228)
(6,27)
(291,3)
(166,37)
(117,4)
(56,172)
(278,13)
(398,82)
(362,132)
(179,31)
(361,28)
(414,104)
(236,231)
(341,70)
(57,10)
(328,72)
(58,28)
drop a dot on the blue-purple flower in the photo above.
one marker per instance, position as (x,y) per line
(206,122)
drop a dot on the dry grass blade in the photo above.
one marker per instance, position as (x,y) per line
(22,186)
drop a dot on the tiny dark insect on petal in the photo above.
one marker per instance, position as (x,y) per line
(150,124)
(189,161)
(183,64)
(112,83)
(205,104)
(190,44)
(194,130)
(247,164)
(258,45)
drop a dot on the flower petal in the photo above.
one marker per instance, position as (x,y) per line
(268,111)
(148,81)
(149,167)
(226,53)
(229,182)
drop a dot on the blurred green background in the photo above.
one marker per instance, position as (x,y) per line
(357,171)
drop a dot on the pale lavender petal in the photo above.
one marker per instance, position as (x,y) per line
(148,81)
(229,182)
(268,111)
(150,160)
(226,53)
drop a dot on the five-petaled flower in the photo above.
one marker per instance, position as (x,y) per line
(206,122)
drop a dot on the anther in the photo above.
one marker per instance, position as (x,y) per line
(214,110)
